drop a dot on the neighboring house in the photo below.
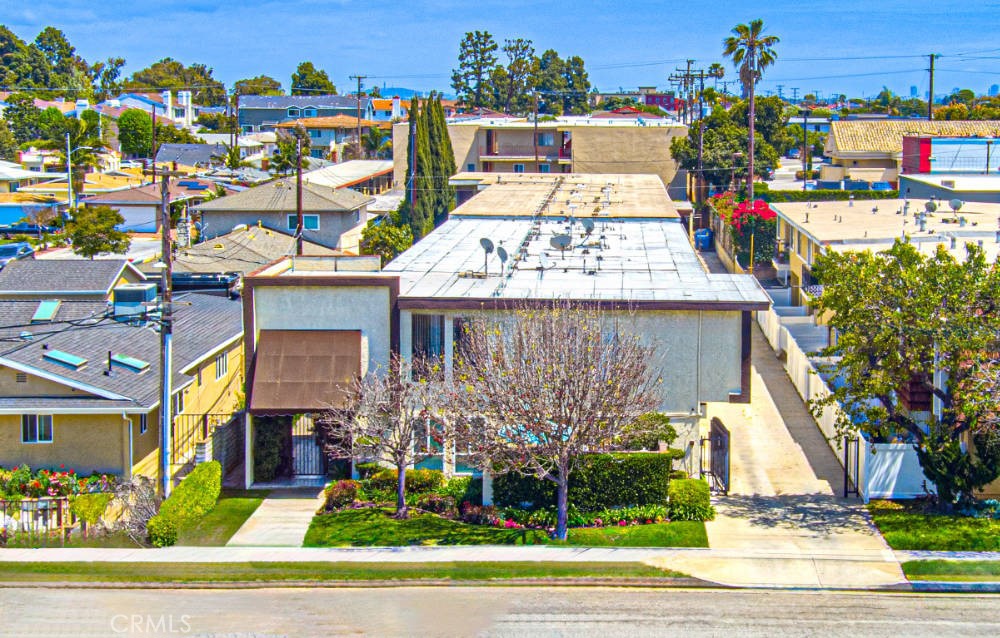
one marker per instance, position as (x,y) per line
(619,143)
(386,109)
(807,230)
(952,155)
(182,111)
(329,135)
(81,389)
(637,264)
(243,251)
(367,176)
(872,150)
(193,155)
(331,217)
(945,187)
(263,112)
(12,177)
(140,205)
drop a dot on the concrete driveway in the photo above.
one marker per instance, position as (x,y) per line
(281,520)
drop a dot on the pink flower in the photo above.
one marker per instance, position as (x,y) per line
(622,523)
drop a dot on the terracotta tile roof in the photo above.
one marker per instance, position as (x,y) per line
(381,104)
(327,122)
(886,136)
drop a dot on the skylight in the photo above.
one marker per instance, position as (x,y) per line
(65,358)
(46,311)
(138,365)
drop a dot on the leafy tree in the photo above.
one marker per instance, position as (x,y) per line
(169,134)
(135,133)
(386,237)
(58,52)
(550,82)
(751,52)
(213,122)
(106,77)
(476,59)
(51,124)
(260,85)
(308,80)
(93,232)
(770,121)
(22,64)
(538,387)
(512,82)
(577,86)
(231,157)
(901,317)
(22,117)
(615,102)
(168,73)
(284,161)
(8,143)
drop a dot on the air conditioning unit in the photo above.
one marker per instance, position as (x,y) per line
(130,300)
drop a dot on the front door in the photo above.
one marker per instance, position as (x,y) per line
(307,452)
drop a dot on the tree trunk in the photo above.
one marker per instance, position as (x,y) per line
(753,116)
(401,510)
(562,505)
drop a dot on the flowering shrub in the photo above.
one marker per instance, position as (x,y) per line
(545,518)
(341,494)
(478,514)
(20,482)
(744,219)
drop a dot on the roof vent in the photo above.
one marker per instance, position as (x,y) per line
(132,300)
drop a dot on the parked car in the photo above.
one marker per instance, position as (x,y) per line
(18,250)
(24,228)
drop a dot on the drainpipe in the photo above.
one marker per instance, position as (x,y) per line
(127,473)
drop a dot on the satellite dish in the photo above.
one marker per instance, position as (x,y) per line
(955,204)
(486,244)
(588,225)
(560,242)
(502,254)
(930,207)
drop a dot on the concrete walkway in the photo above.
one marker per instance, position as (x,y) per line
(281,520)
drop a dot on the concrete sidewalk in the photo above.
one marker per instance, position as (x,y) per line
(281,520)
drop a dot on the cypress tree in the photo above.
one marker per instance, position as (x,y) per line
(445,163)
(423,214)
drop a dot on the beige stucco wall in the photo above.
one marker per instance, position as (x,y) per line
(85,443)
(625,150)
(334,228)
(364,308)
(32,386)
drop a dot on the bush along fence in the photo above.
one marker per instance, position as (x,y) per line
(43,502)
(190,501)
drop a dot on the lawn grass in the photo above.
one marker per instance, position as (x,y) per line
(233,508)
(310,571)
(952,570)
(911,526)
(377,527)
(115,539)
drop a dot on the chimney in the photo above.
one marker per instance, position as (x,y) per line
(168,104)
(396,111)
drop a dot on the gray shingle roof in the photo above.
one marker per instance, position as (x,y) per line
(191,154)
(300,101)
(279,197)
(202,323)
(57,276)
(16,314)
(242,251)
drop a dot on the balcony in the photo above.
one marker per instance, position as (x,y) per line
(525,152)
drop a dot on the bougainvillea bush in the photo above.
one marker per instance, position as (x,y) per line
(745,220)
(22,482)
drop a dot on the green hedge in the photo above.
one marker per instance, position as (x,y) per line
(823,195)
(189,502)
(417,481)
(90,507)
(272,439)
(598,481)
(690,500)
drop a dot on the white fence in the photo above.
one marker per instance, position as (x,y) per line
(885,470)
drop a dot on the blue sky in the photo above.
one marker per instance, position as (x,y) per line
(625,44)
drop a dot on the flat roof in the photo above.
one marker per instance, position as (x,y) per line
(347,173)
(623,260)
(567,122)
(562,195)
(842,227)
(976,183)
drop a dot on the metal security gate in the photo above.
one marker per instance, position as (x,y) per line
(307,452)
(718,457)
(852,462)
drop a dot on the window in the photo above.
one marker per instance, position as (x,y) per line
(546,139)
(428,338)
(221,365)
(544,168)
(314,132)
(178,402)
(293,112)
(317,153)
(471,168)
(518,168)
(143,423)
(308,112)
(309,222)
(36,428)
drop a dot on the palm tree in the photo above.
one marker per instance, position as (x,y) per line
(376,143)
(717,71)
(751,53)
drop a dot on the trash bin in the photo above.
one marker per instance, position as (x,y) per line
(703,239)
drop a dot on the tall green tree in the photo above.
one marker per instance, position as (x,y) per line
(135,133)
(260,85)
(476,59)
(386,237)
(751,52)
(93,231)
(417,209)
(168,73)
(442,159)
(550,82)
(106,77)
(290,142)
(770,121)
(513,82)
(308,80)
(8,143)
(577,83)
(926,324)
(23,117)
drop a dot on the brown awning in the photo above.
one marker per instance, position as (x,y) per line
(303,371)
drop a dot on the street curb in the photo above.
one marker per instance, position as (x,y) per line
(948,586)
(656,583)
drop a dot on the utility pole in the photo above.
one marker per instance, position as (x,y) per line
(69,174)
(535,95)
(700,186)
(930,93)
(795,94)
(359,77)
(805,147)
(413,162)
(166,339)
(781,87)
(299,226)
(153,144)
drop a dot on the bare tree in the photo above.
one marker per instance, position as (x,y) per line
(535,388)
(386,419)
(134,503)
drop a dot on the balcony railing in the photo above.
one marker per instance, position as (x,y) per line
(524,151)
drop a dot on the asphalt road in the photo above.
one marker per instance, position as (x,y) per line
(490,611)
